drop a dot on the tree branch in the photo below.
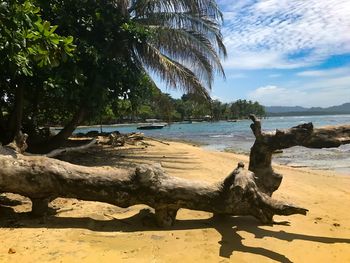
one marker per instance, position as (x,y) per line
(57,152)
(242,192)
(43,179)
(267,143)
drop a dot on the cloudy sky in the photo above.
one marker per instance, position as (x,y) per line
(286,52)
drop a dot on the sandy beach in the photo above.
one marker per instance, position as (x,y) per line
(97,232)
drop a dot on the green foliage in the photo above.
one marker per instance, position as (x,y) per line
(136,32)
(102,70)
(192,107)
(97,55)
(26,40)
(145,112)
(242,109)
(29,48)
(185,42)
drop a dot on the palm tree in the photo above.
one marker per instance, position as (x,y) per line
(185,42)
(180,42)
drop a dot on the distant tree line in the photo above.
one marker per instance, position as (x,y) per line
(161,106)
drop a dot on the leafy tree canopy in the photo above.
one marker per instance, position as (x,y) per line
(27,42)
(99,52)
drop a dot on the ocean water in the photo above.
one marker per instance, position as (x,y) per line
(237,137)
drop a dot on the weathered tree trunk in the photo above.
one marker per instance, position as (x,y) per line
(2,123)
(60,138)
(305,135)
(67,131)
(242,192)
(19,104)
(14,123)
(43,179)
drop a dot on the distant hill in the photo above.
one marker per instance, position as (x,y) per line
(282,109)
(297,110)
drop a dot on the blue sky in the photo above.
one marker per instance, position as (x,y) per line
(285,52)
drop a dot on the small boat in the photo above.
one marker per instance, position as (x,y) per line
(151,127)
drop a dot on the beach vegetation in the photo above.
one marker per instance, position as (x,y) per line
(29,44)
(163,107)
(78,59)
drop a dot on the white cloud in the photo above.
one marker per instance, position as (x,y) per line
(327,90)
(258,60)
(234,6)
(325,73)
(276,96)
(285,33)
(332,83)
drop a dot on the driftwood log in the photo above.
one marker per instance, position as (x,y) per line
(305,135)
(118,139)
(242,192)
(43,179)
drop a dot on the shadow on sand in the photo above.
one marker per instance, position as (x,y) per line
(228,228)
(126,158)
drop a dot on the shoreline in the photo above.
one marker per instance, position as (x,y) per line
(338,171)
(246,154)
(238,138)
(229,149)
(181,122)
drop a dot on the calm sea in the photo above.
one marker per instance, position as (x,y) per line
(237,137)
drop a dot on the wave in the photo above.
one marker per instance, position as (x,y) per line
(222,136)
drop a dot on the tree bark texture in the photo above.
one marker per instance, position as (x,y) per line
(43,179)
(13,125)
(242,192)
(60,138)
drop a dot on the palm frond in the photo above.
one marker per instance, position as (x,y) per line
(189,21)
(179,42)
(195,21)
(191,49)
(185,44)
(143,7)
(171,72)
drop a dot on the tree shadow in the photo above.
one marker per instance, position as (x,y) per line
(231,241)
(227,227)
(5,201)
(124,157)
